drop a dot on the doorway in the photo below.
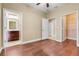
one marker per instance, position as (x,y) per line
(12,28)
(69,27)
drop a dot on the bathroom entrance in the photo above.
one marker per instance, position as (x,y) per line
(12,30)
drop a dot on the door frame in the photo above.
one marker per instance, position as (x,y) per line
(77,24)
(76,12)
(21,29)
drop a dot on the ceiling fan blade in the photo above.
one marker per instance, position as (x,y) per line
(47,4)
(37,3)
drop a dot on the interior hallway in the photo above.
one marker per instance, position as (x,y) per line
(44,48)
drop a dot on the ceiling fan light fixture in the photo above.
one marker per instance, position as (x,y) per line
(37,3)
(47,5)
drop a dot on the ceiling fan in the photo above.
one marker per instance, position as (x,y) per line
(47,4)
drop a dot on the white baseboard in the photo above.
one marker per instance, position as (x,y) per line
(45,38)
(77,45)
(1,49)
(71,38)
(19,43)
(55,39)
(32,41)
(25,42)
(59,40)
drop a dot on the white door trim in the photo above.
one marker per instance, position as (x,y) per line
(77,22)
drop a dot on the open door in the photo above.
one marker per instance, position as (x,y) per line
(45,28)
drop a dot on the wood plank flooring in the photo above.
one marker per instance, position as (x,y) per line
(43,48)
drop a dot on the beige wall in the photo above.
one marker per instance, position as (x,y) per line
(31,20)
(63,10)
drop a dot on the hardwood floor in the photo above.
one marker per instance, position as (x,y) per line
(43,48)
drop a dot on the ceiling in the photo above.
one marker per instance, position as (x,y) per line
(44,8)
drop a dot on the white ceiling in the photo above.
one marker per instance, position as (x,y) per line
(43,7)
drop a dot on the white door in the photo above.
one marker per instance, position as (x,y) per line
(52,28)
(11,22)
(45,28)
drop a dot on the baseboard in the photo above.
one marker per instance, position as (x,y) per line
(51,38)
(24,42)
(71,38)
(45,38)
(1,50)
(59,40)
(77,45)
(32,41)
(13,45)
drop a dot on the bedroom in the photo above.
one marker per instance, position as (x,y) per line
(33,29)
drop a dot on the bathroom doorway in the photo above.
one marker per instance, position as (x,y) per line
(12,28)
